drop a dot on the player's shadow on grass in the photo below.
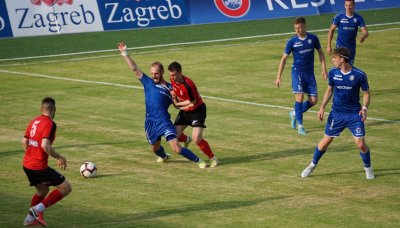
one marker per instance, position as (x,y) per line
(9,153)
(199,208)
(378,172)
(282,154)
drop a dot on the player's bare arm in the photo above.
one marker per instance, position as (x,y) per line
(24,143)
(131,63)
(364,109)
(330,37)
(324,103)
(282,64)
(48,148)
(364,34)
(323,64)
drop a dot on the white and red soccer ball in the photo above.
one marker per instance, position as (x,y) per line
(88,170)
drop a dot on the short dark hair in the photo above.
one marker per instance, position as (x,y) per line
(175,66)
(342,52)
(49,103)
(160,66)
(350,1)
(300,20)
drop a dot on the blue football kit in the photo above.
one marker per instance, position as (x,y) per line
(158,120)
(347,32)
(346,102)
(303,78)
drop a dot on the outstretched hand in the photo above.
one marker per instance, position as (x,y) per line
(122,47)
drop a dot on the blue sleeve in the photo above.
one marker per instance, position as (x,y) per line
(336,20)
(364,83)
(331,74)
(361,21)
(288,48)
(317,44)
(146,80)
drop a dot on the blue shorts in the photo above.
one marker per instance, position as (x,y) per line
(337,122)
(304,83)
(157,129)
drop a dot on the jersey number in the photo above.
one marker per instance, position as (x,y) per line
(33,129)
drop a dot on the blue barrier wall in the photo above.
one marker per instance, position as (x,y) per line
(48,17)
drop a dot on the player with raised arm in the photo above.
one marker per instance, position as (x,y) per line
(158,120)
(193,111)
(345,83)
(37,143)
(302,46)
(347,24)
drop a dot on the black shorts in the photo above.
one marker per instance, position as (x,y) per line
(195,118)
(47,176)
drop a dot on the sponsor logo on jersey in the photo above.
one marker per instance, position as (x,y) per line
(33,143)
(233,8)
(298,44)
(344,87)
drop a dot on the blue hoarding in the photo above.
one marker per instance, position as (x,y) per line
(5,27)
(210,11)
(128,14)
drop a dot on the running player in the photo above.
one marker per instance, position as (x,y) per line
(193,111)
(347,24)
(303,79)
(37,143)
(345,82)
(158,120)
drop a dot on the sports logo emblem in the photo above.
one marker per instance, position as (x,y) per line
(51,2)
(233,8)
(351,77)
(309,41)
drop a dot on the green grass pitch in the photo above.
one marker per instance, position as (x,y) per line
(258,183)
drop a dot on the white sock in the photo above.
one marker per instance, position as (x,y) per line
(29,218)
(40,207)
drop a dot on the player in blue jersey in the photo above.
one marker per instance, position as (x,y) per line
(347,24)
(302,46)
(158,120)
(345,83)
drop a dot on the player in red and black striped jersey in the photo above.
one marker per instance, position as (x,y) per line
(193,111)
(37,143)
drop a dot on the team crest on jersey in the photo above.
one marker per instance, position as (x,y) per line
(309,41)
(233,8)
(351,77)
(355,20)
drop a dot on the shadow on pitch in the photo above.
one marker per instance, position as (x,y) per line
(10,153)
(378,172)
(284,154)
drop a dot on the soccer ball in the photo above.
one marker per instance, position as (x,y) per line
(88,170)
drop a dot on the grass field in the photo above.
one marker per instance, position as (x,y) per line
(100,114)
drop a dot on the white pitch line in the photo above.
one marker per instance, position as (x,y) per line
(181,44)
(139,87)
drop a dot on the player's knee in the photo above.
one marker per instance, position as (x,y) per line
(65,188)
(42,192)
(197,140)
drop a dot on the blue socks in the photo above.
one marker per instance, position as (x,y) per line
(366,157)
(299,112)
(317,155)
(305,106)
(161,153)
(189,155)
(300,108)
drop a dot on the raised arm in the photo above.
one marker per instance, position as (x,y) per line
(131,63)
